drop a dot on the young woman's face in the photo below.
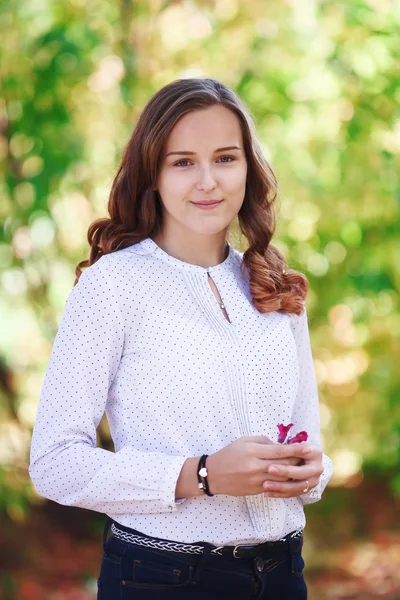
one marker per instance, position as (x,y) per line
(203,171)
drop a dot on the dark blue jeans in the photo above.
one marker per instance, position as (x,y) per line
(130,572)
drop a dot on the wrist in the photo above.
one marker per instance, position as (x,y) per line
(187,484)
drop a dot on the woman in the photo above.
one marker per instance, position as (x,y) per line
(197,352)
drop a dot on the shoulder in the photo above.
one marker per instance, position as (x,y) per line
(236,257)
(108,270)
(134,254)
(123,275)
(115,264)
(299,324)
(299,318)
(237,254)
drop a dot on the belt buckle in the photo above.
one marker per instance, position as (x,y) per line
(234,551)
(248,546)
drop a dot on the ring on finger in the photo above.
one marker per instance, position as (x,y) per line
(307,488)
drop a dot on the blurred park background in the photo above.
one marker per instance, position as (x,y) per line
(322,81)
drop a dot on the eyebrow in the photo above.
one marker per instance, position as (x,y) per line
(180,152)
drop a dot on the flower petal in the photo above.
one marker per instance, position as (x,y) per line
(283,431)
(302,436)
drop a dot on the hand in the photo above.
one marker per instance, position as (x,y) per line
(293,461)
(240,468)
(309,472)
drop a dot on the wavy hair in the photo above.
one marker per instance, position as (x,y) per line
(135,208)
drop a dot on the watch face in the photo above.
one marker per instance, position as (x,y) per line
(203,472)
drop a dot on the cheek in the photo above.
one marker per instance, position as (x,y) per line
(235,189)
(175,185)
(234,181)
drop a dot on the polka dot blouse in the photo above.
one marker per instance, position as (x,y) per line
(143,338)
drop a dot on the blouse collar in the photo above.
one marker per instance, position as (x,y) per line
(148,246)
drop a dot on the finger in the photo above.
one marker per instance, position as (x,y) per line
(289,489)
(274,478)
(282,450)
(307,453)
(300,472)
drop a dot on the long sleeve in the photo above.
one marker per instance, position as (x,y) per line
(65,464)
(306,412)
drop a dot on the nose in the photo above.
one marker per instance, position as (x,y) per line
(206,180)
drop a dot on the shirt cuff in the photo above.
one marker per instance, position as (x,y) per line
(170,481)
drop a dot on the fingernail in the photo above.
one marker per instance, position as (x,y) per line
(273,470)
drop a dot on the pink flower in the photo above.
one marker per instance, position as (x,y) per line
(283,431)
(302,436)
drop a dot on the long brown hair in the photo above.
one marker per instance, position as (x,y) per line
(135,209)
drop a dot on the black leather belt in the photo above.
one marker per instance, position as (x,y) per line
(276,548)
(267,548)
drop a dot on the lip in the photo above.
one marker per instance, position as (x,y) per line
(208,204)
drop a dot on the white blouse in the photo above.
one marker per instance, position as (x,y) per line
(142,337)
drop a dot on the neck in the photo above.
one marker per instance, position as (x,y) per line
(193,248)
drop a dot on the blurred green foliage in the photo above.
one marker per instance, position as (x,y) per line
(322,81)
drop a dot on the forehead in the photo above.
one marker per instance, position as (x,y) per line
(213,126)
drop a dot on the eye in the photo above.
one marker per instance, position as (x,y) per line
(231,157)
(185,160)
(178,164)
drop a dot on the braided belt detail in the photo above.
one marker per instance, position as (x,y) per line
(172,546)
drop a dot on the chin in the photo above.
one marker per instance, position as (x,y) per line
(208,230)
